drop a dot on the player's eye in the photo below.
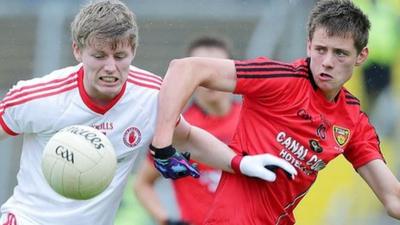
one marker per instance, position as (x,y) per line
(320,50)
(341,53)
(98,56)
(120,56)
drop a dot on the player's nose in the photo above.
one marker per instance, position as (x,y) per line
(110,65)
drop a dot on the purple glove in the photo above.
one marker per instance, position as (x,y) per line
(172,164)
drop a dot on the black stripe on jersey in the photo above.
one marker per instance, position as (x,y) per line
(267,63)
(254,69)
(353,103)
(351,97)
(272,75)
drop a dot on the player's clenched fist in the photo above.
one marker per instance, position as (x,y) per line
(172,164)
(262,166)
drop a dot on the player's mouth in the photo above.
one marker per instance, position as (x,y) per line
(109,79)
(325,76)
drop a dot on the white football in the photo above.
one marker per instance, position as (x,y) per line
(79,162)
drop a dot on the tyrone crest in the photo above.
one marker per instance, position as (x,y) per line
(132,137)
(341,135)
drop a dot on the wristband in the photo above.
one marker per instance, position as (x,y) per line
(162,153)
(235,163)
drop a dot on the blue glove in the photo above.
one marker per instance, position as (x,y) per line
(172,164)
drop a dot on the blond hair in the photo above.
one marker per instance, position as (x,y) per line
(108,20)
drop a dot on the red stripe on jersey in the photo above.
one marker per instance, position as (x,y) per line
(41,84)
(147,75)
(44,88)
(155,86)
(7,104)
(5,127)
(140,77)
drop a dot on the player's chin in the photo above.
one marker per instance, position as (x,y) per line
(109,92)
(114,88)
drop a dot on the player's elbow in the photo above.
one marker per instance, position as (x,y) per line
(179,65)
(191,68)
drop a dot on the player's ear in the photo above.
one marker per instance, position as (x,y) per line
(76,51)
(362,56)
(308,48)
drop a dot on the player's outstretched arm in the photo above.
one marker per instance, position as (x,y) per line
(207,149)
(384,184)
(143,187)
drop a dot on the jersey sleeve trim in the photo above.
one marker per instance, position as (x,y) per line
(6,128)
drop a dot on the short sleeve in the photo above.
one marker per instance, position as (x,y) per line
(265,78)
(364,144)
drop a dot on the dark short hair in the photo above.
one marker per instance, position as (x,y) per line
(211,42)
(340,18)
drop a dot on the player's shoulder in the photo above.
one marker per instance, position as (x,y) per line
(351,100)
(144,79)
(266,68)
(351,105)
(56,82)
(60,76)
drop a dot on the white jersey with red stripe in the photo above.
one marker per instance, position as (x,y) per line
(39,107)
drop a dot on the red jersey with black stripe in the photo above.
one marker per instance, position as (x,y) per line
(40,107)
(286,115)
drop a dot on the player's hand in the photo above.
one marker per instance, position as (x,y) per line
(172,164)
(263,166)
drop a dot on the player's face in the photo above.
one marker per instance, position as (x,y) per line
(106,68)
(333,59)
(206,95)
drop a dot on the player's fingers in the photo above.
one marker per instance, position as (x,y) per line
(264,174)
(194,172)
(273,160)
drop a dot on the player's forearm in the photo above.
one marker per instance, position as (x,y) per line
(207,149)
(392,202)
(177,87)
(384,184)
(149,200)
